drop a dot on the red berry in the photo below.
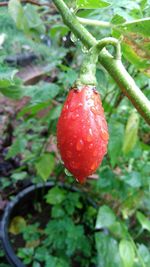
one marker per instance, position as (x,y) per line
(82,132)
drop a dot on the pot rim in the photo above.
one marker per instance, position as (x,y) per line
(4,237)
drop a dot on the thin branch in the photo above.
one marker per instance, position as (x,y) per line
(93,22)
(114,67)
(134,21)
(106,24)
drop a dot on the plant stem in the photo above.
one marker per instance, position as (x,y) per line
(88,68)
(106,24)
(93,22)
(114,67)
(133,22)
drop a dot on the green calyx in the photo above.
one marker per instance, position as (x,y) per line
(88,69)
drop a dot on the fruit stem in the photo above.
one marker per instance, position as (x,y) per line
(88,68)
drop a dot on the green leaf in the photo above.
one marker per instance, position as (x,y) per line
(55,196)
(55,262)
(34,108)
(19,176)
(105,217)
(134,57)
(40,95)
(10,85)
(55,113)
(117,19)
(145,254)
(17,147)
(91,4)
(57,211)
(142,27)
(42,92)
(131,203)
(58,29)
(116,131)
(26,18)
(133,179)
(118,230)
(34,22)
(143,221)
(16,11)
(36,264)
(107,251)
(127,253)
(45,165)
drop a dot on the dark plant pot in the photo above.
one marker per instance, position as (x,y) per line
(17,204)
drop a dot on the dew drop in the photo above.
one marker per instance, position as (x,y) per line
(79,145)
(90,146)
(74,116)
(90,102)
(73,38)
(89,135)
(66,107)
(74,106)
(80,105)
(95,110)
(105,135)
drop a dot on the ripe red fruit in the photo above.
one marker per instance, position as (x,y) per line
(82,133)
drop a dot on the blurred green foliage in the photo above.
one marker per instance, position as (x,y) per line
(122,190)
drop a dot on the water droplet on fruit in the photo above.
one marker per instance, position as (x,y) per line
(104,134)
(95,110)
(79,145)
(80,105)
(73,106)
(74,116)
(89,135)
(90,146)
(90,103)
